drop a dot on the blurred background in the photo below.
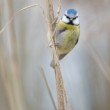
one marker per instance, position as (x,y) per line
(25,55)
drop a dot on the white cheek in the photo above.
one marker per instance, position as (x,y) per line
(64,19)
(76,21)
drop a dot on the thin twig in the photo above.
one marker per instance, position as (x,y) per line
(105,69)
(48,87)
(58,12)
(14,15)
(55,21)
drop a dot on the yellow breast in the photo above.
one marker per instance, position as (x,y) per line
(70,38)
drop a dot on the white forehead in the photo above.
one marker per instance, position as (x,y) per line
(71,15)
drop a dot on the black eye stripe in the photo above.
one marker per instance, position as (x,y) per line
(75,18)
(70,18)
(67,16)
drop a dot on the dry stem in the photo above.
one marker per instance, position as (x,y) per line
(61,93)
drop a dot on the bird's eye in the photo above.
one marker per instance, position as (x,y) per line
(75,17)
(76,20)
(67,17)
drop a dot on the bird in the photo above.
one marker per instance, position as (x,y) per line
(67,33)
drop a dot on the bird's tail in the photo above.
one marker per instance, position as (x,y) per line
(52,64)
(60,58)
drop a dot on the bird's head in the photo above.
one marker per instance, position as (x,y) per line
(71,17)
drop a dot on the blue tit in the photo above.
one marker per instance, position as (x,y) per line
(67,33)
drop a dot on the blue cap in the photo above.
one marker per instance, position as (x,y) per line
(71,11)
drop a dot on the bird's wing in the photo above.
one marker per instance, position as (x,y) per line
(60,33)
